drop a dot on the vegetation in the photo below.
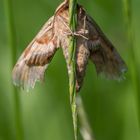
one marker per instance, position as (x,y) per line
(44,113)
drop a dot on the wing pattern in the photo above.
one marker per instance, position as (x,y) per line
(103,54)
(35,59)
(91,44)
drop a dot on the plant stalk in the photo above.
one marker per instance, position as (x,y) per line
(72,63)
(127,4)
(85,129)
(11,32)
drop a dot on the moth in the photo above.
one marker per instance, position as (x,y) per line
(92,44)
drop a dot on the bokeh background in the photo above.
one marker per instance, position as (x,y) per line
(45,112)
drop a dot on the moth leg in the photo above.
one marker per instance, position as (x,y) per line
(85,17)
(80,35)
(77,33)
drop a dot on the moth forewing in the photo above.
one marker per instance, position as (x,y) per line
(103,54)
(35,59)
(91,43)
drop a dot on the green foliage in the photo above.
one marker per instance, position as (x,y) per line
(128,16)
(111,106)
(11,35)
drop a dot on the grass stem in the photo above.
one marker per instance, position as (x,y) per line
(72,64)
(85,129)
(12,45)
(127,4)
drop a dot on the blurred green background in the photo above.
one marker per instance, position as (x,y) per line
(111,106)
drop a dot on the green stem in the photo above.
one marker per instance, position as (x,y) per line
(72,63)
(85,129)
(133,61)
(12,44)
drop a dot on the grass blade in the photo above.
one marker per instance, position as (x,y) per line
(127,5)
(12,45)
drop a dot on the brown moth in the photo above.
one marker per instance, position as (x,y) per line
(91,44)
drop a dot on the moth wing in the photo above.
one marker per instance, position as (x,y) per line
(35,59)
(103,54)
